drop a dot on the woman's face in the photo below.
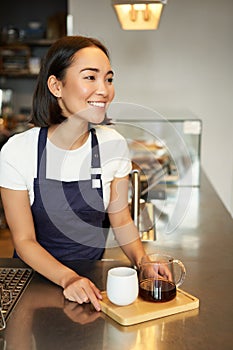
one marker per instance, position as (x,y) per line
(88,87)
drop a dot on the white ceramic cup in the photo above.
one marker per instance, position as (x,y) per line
(122,285)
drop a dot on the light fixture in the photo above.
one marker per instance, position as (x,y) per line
(138,14)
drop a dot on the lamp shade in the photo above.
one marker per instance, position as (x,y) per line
(138,14)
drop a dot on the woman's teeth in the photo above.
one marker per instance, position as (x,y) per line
(97,104)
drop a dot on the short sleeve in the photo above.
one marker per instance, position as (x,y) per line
(114,152)
(10,176)
(124,162)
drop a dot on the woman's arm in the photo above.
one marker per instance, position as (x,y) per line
(19,218)
(124,228)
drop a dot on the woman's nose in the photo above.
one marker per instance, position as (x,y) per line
(102,88)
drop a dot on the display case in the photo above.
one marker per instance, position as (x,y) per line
(167,152)
(168,155)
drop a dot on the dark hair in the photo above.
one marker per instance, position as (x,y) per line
(45,108)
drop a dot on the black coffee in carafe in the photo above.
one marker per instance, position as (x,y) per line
(157,290)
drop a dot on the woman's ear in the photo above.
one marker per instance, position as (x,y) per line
(54,86)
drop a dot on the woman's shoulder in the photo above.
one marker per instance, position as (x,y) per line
(106,133)
(22,141)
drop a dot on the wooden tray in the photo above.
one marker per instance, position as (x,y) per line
(141,311)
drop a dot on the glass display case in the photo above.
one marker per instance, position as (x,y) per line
(165,151)
(167,155)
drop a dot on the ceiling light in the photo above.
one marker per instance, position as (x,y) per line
(138,14)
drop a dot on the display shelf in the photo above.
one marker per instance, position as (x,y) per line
(166,151)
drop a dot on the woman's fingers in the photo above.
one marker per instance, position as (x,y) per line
(82,291)
(165,272)
(94,296)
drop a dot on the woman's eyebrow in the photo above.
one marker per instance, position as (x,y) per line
(95,70)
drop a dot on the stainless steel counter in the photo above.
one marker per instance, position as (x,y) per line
(42,319)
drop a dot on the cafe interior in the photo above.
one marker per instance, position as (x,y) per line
(173,86)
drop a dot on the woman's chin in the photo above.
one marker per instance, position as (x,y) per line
(95,117)
(92,116)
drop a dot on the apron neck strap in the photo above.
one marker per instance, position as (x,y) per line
(95,161)
(41,156)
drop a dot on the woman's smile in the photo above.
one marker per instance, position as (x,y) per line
(97,104)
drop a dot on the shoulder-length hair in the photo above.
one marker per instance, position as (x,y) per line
(45,108)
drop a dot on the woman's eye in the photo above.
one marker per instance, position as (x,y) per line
(90,77)
(110,80)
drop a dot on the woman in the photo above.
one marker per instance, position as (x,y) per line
(58,178)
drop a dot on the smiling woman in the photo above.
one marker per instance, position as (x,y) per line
(61,179)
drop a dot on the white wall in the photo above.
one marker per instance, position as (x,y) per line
(182,70)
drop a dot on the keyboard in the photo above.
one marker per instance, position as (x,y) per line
(13,282)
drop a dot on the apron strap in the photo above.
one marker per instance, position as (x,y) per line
(95,161)
(41,154)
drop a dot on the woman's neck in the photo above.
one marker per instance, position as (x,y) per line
(68,135)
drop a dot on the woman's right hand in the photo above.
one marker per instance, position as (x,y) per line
(82,290)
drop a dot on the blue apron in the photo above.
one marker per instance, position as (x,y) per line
(69,216)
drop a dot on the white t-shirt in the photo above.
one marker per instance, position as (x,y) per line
(18,160)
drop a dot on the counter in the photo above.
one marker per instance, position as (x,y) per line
(42,319)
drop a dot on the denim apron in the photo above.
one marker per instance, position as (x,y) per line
(69,216)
